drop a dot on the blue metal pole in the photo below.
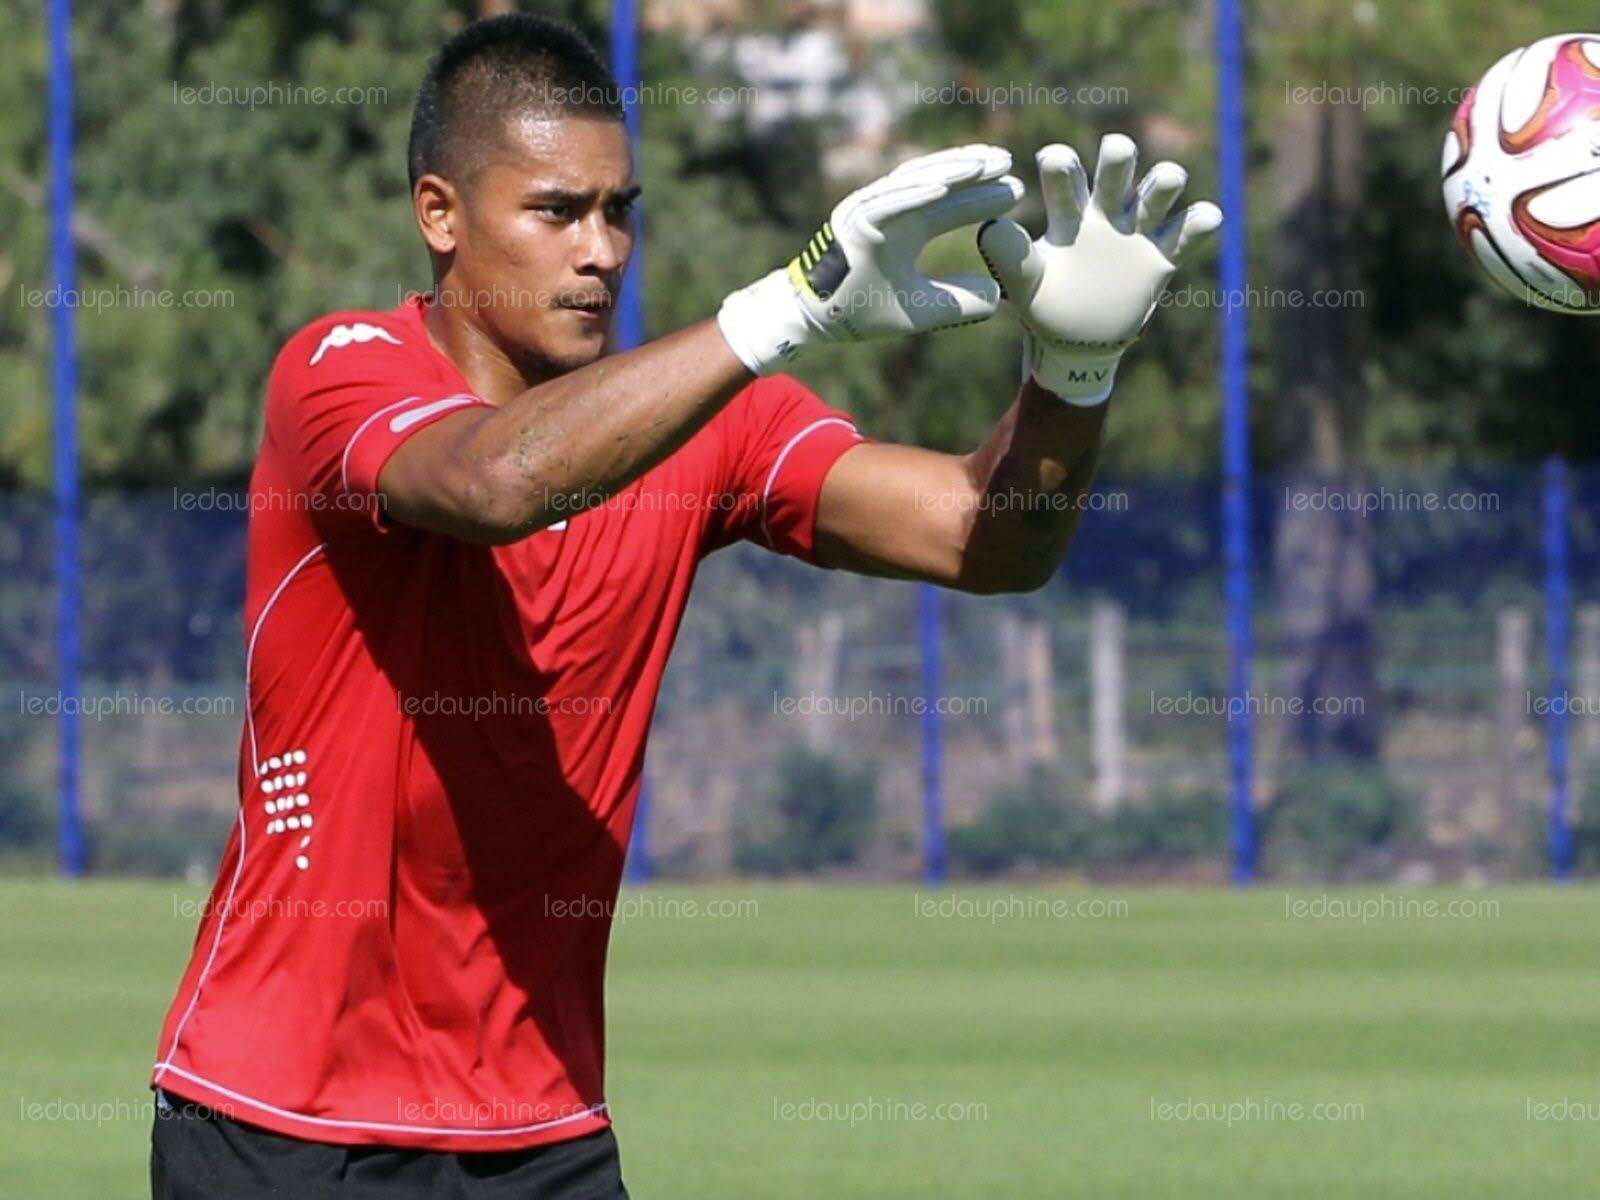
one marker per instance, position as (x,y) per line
(639,865)
(629,332)
(1235,431)
(625,66)
(64,381)
(1556,579)
(928,632)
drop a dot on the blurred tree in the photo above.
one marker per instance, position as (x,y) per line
(256,217)
(1458,372)
(1326,587)
(1031,72)
(1433,364)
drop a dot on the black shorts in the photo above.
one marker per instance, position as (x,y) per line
(195,1154)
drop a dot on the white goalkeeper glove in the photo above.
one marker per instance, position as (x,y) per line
(1086,288)
(858,279)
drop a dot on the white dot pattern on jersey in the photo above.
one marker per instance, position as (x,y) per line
(277,777)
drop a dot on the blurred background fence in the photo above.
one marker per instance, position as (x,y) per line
(1081,727)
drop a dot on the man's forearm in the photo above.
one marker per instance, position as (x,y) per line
(566,445)
(1082,293)
(1031,475)
(588,434)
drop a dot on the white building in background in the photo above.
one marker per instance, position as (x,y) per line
(843,61)
(864,18)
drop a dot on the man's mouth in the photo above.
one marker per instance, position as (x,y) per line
(594,304)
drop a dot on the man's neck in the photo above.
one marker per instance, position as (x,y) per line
(484,363)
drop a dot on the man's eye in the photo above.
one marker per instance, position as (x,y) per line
(620,210)
(556,212)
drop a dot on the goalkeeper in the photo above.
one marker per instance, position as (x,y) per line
(472,535)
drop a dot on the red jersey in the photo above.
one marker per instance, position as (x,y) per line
(441,754)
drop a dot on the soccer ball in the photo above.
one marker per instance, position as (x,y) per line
(1522,173)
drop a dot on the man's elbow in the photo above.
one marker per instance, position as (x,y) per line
(484,503)
(504,506)
(456,479)
(1008,579)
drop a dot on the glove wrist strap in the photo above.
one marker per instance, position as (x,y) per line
(765,324)
(1081,380)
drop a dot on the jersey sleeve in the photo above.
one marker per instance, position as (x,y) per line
(343,396)
(778,442)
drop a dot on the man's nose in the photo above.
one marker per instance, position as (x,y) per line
(602,246)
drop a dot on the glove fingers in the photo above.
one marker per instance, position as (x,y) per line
(959,164)
(1113,180)
(1013,259)
(1066,191)
(921,181)
(970,204)
(1158,192)
(959,300)
(885,203)
(1188,229)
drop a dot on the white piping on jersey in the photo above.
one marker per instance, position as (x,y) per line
(255,769)
(216,941)
(406,420)
(381,1126)
(766,492)
(344,459)
(250,652)
(399,424)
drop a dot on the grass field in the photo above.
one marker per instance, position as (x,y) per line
(1174,1044)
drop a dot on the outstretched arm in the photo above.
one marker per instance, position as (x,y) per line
(1000,519)
(497,475)
(996,520)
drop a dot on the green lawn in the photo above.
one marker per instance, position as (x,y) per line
(784,1052)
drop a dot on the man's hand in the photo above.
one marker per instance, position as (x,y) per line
(858,278)
(1086,288)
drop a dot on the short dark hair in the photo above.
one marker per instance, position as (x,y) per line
(496,69)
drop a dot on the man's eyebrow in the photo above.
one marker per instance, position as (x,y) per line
(556,194)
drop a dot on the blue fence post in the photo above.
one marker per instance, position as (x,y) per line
(1557,641)
(629,331)
(625,68)
(64,378)
(1235,432)
(928,636)
(638,864)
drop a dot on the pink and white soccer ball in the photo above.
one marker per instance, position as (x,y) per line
(1522,173)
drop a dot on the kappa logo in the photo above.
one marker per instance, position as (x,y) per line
(350,335)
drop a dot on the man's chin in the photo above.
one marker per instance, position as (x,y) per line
(567,355)
(571,358)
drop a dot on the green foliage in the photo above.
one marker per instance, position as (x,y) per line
(277,212)
(131,836)
(1028,825)
(139,839)
(1033,824)
(26,831)
(822,813)
(1457,372)
(1585,824)
(1172,827)
(1328,816)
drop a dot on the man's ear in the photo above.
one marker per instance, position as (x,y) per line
(437,206)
